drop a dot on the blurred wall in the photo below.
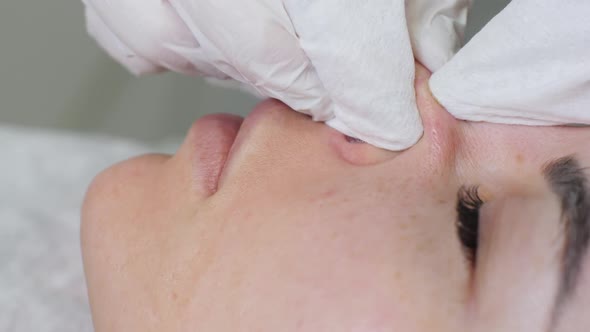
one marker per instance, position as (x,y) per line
(53,75)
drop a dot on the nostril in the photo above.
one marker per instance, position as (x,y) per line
(358,152)
(353,140)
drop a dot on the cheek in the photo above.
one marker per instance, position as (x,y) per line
(119,194)
(356,253)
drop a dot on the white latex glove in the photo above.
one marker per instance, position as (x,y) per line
(346,62)
(530,66)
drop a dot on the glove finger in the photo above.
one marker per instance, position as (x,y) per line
(235,85)
(364,58)
(257,45)
(437,29)
(115,47)
(528,66)
(201,63)
(147,29)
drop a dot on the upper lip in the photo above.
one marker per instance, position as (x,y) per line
(260,112)
(241,137)
(218,139)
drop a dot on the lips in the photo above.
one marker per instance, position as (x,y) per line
(216,139)
(212,138)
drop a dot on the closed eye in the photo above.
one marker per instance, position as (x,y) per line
(468,205)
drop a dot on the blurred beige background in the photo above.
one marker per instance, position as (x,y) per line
(53,75)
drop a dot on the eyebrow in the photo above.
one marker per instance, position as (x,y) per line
(569,182)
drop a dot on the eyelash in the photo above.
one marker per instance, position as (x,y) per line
(468,207)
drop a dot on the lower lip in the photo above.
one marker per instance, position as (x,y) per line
(212,139)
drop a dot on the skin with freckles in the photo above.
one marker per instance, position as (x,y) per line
(293,227)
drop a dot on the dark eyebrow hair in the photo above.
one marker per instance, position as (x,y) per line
(569,182)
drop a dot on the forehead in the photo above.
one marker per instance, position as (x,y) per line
(507,144)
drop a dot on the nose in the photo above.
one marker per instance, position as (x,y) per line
(441,129)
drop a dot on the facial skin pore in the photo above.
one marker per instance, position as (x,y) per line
(290,226)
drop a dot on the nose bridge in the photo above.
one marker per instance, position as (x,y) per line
(441,129)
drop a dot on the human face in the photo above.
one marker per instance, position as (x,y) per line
(277,223)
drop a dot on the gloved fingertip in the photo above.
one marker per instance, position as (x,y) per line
(103,35)
(436,29)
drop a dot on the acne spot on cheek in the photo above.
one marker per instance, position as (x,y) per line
(323,197)
(328,194)
(519,159)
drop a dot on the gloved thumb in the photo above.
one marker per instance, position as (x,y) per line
(437,29)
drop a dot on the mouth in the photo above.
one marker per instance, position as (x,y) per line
(218,138)
(212,138)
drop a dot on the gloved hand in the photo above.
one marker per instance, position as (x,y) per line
(530,66)
(347,62)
